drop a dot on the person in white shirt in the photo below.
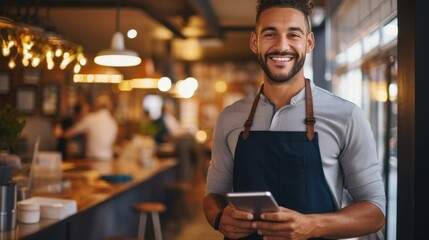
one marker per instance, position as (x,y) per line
(173,125)
(170,131)
(101,130)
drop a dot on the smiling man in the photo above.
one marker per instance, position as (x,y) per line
(296,140)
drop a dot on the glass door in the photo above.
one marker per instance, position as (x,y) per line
(380,104)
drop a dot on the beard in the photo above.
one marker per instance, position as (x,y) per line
(281,78)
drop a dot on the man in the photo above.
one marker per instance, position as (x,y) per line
(80,109)
(101,130)
(296,140)
(167,125)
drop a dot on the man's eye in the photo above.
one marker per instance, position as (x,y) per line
(293,35)
(269,35)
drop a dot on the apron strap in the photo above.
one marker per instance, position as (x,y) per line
(309,113)
(249,120)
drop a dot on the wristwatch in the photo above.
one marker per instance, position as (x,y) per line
(217,220)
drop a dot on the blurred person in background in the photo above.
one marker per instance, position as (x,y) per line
(71,147)
(184,146)
(147,125)
(167,126)
(100,128)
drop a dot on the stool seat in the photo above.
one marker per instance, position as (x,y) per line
(150,207)
(153,208)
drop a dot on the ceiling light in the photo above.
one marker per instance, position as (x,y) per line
(132,33)
(125,85)
(117,55)
(164,84)
(98,74)
(144,76)
(187,49)
(145,83)
(185,88)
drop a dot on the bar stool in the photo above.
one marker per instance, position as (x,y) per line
(179,191)
(153,208)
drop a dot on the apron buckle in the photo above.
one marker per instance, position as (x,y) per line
(310,121)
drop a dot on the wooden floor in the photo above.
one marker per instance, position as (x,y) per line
(196,227)
(180,227)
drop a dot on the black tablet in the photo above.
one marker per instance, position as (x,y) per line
(254,202)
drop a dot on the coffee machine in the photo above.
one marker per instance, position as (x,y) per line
(8,193)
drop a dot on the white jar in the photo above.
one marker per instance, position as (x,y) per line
(28,212)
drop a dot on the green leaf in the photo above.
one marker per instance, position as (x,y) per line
(12,123)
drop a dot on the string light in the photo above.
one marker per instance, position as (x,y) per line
(31,45)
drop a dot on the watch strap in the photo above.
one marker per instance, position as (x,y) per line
(217,220)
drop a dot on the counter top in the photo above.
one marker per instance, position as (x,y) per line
(86,187)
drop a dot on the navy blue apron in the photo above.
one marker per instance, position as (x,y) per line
(288,164)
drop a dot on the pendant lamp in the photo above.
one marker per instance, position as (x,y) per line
(117,55)
(144,77)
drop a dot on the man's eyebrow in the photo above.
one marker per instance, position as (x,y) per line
(290,29)
(268,29)
(296,29)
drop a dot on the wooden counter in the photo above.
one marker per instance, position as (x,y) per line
(103,209)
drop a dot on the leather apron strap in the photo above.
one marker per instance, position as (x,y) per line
(309,115)
(249,120)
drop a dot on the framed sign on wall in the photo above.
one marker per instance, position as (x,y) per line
(26,100)
(4,83)
(50,99)
(31,76)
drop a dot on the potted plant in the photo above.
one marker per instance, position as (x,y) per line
(12,123)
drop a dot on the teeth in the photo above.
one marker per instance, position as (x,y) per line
(282,59)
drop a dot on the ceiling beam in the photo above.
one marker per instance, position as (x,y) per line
(205,9)
(159,17)
(146,8)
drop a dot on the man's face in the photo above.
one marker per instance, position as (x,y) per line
(281,42)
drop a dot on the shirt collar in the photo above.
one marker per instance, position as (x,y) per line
(298,97)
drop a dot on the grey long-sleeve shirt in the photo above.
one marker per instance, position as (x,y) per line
(346,143)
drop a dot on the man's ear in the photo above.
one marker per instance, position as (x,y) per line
(310,42)
(253,42)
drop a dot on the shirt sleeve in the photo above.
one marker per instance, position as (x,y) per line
(360,164)
(219,176)
(82,125)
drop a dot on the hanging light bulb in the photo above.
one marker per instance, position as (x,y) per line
(35,61)
(117,55)
(11,64)
(35,43)
(58,52)
(76,68)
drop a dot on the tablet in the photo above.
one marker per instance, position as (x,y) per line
(254,202)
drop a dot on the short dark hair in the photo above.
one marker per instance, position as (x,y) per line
(77,108)
(304,6)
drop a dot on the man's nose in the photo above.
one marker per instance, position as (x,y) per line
(283,43)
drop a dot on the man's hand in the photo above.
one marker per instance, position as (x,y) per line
(235,223)
(356,219)
(284,224)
